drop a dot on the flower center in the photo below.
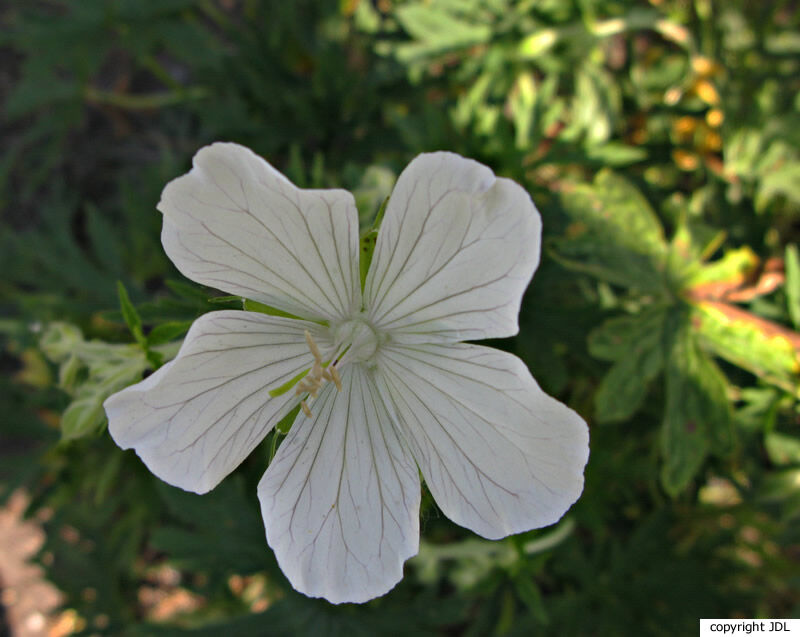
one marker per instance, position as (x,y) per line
(354,341)
(358,337)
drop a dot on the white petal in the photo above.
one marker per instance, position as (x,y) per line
(498,454)
(341,498)
(194,420)
(235,223)
(455,252)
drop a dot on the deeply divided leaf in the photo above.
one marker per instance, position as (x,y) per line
(636,344)
(697,418)
(614,234)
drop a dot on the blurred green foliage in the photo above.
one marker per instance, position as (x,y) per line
(660,141)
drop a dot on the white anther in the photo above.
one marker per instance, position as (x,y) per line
(306,410)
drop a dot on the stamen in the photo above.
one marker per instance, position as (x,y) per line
(336,379)
(316,377)
(313,347)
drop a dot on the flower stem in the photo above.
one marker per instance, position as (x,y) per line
(143,102)
(475,548)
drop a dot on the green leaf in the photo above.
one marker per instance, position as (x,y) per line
(616,154)
(610,340)
(59,341)
(792,264)
(784,180)
(614,235)
(167,332)
(763,348)
(81,418)
(522,102)
(697,417)
(103,236)
(473,101)
(782,449)
(782,487)
(131,316)
(595,106)
(529,593)
(537,43)
(732,270)
(225,519)
(693,241)
(108,369)
(437,28)
(68,373)
(187,291)
(636,343)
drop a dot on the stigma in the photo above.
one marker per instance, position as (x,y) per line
(357,339)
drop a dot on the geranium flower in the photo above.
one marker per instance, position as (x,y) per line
(388,389)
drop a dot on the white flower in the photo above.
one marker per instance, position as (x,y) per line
(454,254)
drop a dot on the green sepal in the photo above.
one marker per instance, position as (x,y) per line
(281,429)
(255,306)
(280,391)
(367,243)
(225,300)
(365,251)
(285,423)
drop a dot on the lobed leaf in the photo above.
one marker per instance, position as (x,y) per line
(614,235)
(697,417)
(763,348)
(636,344)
